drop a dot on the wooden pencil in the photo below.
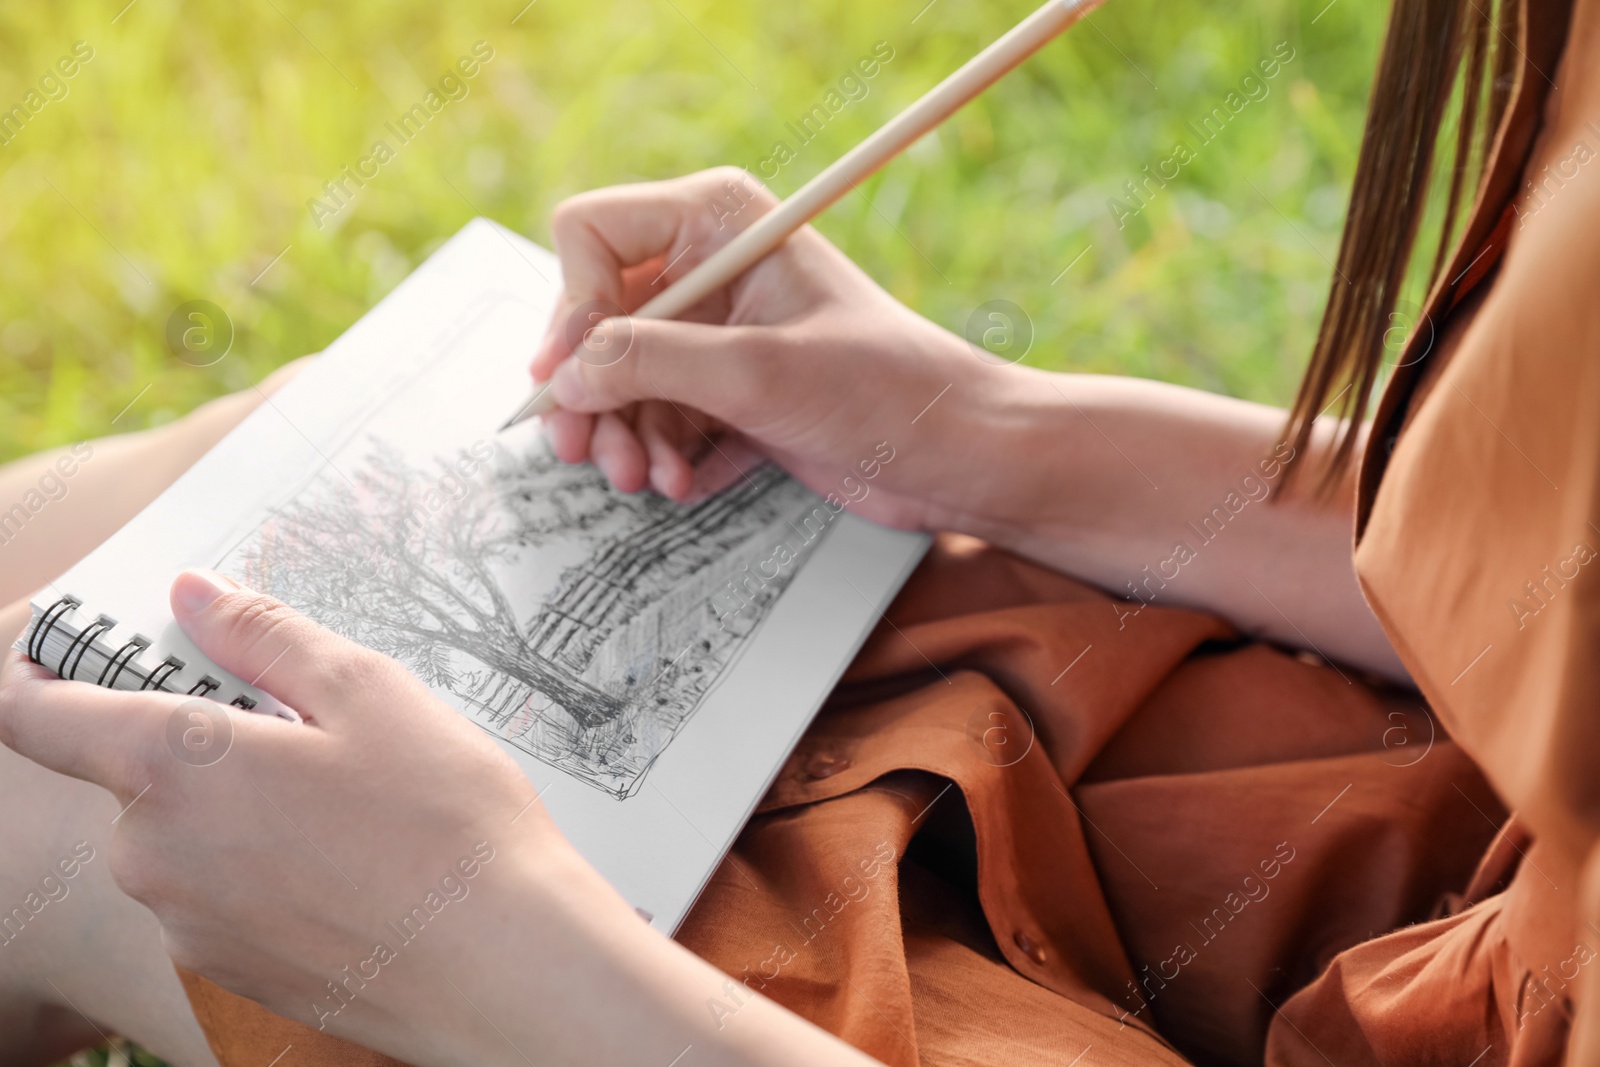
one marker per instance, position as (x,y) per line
(855,166)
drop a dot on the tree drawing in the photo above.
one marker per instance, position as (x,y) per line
(404,565)
(415,560)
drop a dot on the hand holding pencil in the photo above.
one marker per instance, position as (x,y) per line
(795,360)
(683,406)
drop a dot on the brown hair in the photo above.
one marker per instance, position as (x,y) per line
(1436,51)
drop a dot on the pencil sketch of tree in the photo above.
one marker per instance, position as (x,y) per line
(595,674)
(405,567)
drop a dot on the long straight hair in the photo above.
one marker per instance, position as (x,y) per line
(1435,51)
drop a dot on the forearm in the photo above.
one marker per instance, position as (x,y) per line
(1158,493)
(601,987)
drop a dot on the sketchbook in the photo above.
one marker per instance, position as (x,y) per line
(649,665)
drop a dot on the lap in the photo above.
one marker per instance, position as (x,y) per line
(87,948)
(1179,779)
(1074,834)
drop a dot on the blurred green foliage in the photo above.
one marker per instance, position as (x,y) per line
(121,1054)
(184,157)
(185,153)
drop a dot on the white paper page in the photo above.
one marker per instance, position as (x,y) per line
(649,666)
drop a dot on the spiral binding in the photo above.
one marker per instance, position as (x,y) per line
(80,645)
(120,660)
(47,622)
(157,679)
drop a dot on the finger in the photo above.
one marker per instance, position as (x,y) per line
(268,644)
(573,316)
(729,462)
(724,371)
(107,737)
(565,330)
(670,472)
(601,234)
(618,453)
(569,433)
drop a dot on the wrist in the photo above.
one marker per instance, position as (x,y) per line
(549,954)
(495,957)
(547,947)
(1001,468)
(559,969)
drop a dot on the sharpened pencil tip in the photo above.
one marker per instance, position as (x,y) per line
(540,403)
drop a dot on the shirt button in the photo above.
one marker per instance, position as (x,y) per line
(1030,948)
(825,765)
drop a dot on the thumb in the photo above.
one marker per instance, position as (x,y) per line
(724,371)
(265,643)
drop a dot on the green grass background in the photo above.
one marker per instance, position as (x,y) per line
(183,159)
(184,156)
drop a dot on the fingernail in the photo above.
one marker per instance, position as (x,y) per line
(196,589)
(569,387)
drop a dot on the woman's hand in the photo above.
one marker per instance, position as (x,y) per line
(382,871)
(277,855)
(803,359)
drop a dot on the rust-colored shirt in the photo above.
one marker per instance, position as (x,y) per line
(1085,837)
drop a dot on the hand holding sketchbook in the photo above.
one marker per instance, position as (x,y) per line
(649,665)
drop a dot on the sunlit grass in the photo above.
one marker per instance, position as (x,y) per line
(182,160)
(184,156)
